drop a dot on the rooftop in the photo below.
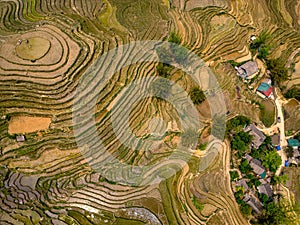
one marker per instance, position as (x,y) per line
(265,189)
(265,89)
(294,142)
(247,69)
(20,138)
(276,140)
(258,136)
(255,205)
(257,167)
(243,184)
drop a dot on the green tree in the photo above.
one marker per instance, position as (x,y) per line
(261,40)
(246,209)
(276,214)
(278,71)
(280,179)
(272,161)
(238,144)
(289,151)
(257,183)
(163,69)
(294,92)
(175,38)
(237,124)
(245,137)
(197,95)
(263,198)
(234,175)
(198,205)
(263,52)
(245,168)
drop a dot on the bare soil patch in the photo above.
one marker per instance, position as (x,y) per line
(27,124)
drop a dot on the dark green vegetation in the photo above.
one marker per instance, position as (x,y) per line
(163,69)
(245,209)
(234,175)
(294,92)
(234,63)
(237,124)
(197,96)
(279,72)
(276,214)
(272,161)
(240,144)
(282,179)
(175,38)
(260,44)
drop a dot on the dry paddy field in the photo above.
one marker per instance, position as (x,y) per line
(27,124)
(48,49)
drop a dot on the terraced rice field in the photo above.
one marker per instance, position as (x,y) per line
(292,111)
(48,47)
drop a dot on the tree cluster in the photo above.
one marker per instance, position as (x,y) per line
(240,142)
(272,161)
(279,72)
(237,123)
(294,92)
(197,96)
(276,214)
(260,44)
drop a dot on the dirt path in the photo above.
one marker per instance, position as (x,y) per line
(279,101)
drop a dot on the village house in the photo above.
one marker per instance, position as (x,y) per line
(255,205)
(20,138)
(265,189)
(295,158)
(258,136)
(265,89)
(275,140)
(294,143)
(257,167)
(248,70)
(242,183)
(248,157)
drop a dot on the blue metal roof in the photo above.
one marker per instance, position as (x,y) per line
(286,163)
